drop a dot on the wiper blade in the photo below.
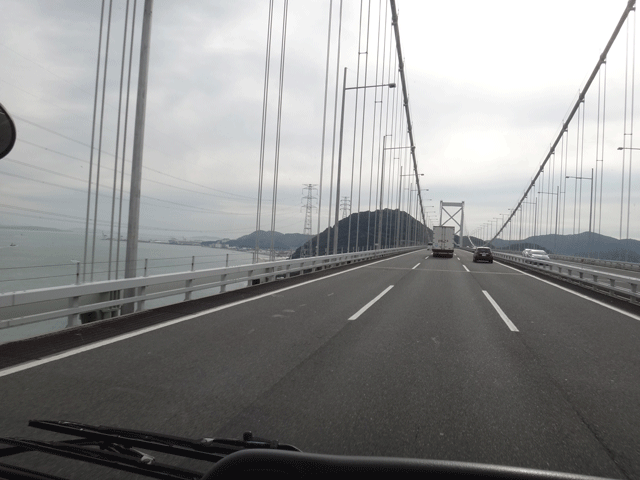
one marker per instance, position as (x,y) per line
(114,456)
(118,448)
(208,449)
(134,438)
(12,472)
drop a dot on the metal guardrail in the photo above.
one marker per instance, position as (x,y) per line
(619,286)
(107,297)
(635,267)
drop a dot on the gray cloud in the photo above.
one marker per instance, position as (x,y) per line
(488,92)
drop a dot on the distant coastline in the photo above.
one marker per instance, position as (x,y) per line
(32,228)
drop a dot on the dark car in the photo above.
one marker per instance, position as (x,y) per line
(483,254)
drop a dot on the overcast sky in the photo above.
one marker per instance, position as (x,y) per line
(490,84)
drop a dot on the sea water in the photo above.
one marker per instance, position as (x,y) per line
(32,259)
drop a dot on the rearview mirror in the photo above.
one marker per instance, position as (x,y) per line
(7,132)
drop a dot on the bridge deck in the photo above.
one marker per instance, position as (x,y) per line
(429,370)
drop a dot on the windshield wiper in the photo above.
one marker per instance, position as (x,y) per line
(118,448)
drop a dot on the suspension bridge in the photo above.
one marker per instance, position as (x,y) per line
(359,342)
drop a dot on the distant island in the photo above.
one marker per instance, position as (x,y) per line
(281,241)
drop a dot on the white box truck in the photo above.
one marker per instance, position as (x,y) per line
(443,241)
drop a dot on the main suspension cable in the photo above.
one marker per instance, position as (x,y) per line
(630,6)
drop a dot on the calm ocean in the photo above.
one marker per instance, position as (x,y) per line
(42,259)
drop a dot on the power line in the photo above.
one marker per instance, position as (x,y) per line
(127,161)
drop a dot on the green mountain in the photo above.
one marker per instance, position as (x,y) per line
(395,229)
(281,241)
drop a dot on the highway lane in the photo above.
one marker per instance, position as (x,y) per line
(429,370)
(438,377)
(590,352)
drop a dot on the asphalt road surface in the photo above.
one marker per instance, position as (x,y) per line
(411,356)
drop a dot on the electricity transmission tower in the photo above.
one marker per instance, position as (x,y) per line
(308,199)
(345,206)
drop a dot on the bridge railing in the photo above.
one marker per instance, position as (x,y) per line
(635,267)
(621,265)
(105,298)
(615,285)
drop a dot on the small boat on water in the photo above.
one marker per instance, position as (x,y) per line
(13,245)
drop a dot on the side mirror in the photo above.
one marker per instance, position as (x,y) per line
(7,132)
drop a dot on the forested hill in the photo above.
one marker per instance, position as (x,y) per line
(282,241)
(396,229)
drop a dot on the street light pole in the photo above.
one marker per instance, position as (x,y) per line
(380,216)
(337,213)
(591,193)
(400,203)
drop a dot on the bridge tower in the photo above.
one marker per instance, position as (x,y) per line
(458,214)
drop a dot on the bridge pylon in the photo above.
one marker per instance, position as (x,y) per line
(458,214)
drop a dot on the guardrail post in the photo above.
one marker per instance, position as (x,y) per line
(140,303)
(189,283)
(187,295)
(73,320)
(223,277)
(140,290)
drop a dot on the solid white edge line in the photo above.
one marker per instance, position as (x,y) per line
(102,343)
(610,307)
(366,307)
(504,317)
(465,267)
(416,266)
